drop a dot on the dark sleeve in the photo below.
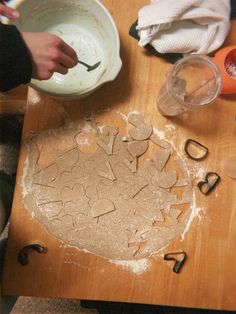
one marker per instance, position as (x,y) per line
(15,59)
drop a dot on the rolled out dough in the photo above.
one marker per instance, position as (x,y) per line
(104,201)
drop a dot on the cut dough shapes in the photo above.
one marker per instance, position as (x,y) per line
(51,209)
(109,174)
(161,158)
(137,148)
(175,213)
(106,139)
(129,161)
(72,194)
(101,207)
(141,131)
(46,175)
(132,164)
(167,180)
(135,119)
(64,223)
(102,199)
(68,159)
(134,185)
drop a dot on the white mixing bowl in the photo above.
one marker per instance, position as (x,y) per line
(85,25)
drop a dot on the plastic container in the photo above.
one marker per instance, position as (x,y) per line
(225,59)
(192,83)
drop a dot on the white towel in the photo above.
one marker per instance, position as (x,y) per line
(184,26)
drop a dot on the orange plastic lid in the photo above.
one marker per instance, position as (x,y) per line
(225,58)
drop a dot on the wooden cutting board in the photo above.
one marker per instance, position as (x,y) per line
(208,279)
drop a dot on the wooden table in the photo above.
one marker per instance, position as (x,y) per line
(208,279)
(14,101)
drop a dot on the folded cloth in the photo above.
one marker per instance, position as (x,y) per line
(170,57)
(184,26)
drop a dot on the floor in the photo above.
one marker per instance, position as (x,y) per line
(40,306)
(27,305)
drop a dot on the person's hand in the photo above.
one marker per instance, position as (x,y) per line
(49,54)
(8,12)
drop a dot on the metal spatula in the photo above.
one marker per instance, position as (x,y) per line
(90,67)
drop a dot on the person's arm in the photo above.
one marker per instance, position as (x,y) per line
(30,55)
(15,60)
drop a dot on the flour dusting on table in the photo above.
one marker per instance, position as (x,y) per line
(104,201)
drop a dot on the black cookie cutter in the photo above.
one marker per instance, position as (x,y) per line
(178,257)
(23,254)
(201,147)
(209,184)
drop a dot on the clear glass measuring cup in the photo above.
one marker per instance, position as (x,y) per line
(193,81)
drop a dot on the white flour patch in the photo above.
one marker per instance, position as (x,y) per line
(170,127)
(161,134)
(35,98)
(201,172)
(87,127)
(133,112)
(123,116)
(83,141)
(196,171)
(195,213)
(101,127)
(136,266)
(25,170)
